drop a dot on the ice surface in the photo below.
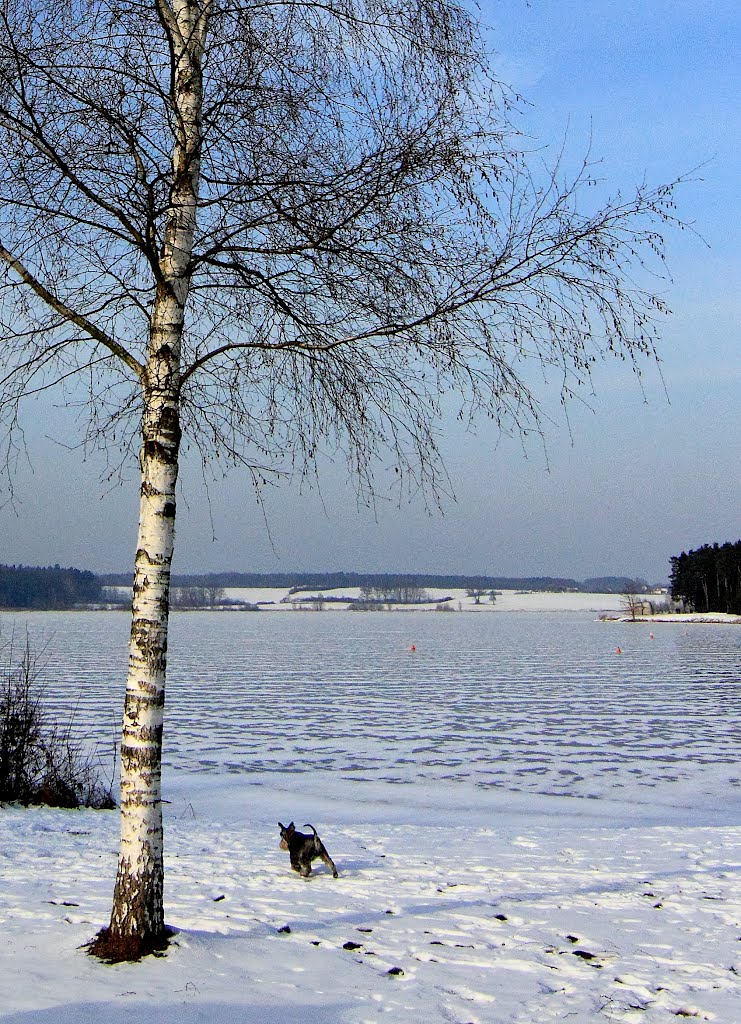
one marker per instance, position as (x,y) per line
(511,703)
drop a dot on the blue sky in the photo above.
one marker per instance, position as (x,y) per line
(641,475)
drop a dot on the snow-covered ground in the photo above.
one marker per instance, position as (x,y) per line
(688,617)
(277,599)
(428,922)
(528,828)
(280,599)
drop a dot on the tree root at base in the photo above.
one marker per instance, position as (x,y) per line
(116,949)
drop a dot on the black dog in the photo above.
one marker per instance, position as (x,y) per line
(303,849)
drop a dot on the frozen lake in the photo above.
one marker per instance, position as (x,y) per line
(527,825)
(516,704)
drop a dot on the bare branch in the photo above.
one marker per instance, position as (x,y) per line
(69,315)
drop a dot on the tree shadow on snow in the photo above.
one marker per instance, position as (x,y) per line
(192,1010)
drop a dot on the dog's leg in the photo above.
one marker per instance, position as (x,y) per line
(300,864)
(321,849)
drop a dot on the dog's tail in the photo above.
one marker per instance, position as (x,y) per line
(317,840)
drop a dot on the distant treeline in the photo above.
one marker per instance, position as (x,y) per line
(49,588)
(333,580)
(708,579)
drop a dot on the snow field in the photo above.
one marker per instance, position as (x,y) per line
(489,925)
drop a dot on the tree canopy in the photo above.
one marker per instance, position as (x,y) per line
(52,587)
(708,579)
(371,232)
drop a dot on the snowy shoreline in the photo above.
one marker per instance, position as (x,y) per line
(719,618)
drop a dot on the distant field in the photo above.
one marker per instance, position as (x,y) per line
(280,598)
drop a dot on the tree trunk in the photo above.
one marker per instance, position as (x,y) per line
(137,923)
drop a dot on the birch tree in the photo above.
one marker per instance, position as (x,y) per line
(249,227)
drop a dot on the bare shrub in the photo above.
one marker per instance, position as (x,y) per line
(21,758)
(197,597)
(41,761)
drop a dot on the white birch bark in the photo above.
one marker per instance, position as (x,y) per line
(137,918)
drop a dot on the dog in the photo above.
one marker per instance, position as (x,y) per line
(303,849)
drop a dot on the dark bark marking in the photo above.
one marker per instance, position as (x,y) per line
(143,758)
(159,452)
